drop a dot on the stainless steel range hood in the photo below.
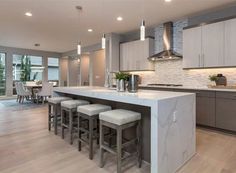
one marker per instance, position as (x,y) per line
(168,53)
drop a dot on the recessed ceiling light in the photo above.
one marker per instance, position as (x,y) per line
(119,18)
(168,0)
(36,44)
(29,14)
(90,30)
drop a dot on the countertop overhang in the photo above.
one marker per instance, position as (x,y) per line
(142,97)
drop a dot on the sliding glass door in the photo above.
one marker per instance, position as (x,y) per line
(53,70)
(2,74)
(27,68)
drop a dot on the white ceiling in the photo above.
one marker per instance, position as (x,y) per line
(56,24)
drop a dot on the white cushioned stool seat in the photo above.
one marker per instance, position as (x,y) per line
(119,116)
(73,103)
(93,109)
(56,100)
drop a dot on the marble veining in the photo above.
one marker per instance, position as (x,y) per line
(172,122)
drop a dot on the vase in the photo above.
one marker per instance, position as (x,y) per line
(122,85)
(117,84)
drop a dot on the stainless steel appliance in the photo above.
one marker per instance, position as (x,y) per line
(133,83)
(168,53)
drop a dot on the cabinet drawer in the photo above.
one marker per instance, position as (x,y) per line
(199,93)
(226,95)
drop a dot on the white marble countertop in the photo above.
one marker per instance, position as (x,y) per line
(142,97)
(191,88)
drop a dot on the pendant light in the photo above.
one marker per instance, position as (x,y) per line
(79,9)
(79,48)
(103,41)
(142,31)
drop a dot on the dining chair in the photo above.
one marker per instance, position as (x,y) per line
(47,89)
(22,93)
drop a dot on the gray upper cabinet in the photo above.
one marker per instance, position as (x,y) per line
(133,55)
(230,42)
(211,45)
(192,47)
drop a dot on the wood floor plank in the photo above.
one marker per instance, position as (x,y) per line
(26,146)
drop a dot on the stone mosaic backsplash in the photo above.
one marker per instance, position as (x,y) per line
(172,72)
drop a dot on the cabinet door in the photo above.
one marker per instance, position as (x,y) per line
(213,45)
(230,42)
(226,111)
(133,55)
(205,111)
(192,47)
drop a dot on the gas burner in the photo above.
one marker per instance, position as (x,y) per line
(170,85)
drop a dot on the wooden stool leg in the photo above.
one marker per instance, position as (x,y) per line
(49,117)
(139,144)
(62,126)
(97,130)
(55,118)
(71,126)
(119,149)
(91,138)
(79,132)
(101,150)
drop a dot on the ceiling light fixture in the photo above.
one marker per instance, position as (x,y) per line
(119,18)
(79,8)
(168,0)
(29,14)
(142,31)
(90,30)
(103,41)
(79,48)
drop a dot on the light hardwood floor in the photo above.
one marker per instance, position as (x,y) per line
(26,146)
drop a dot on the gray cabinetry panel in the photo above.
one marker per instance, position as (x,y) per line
(205,111)
(226,111)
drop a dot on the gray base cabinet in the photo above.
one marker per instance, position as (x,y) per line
(226,111)
(205,111)
(213,108)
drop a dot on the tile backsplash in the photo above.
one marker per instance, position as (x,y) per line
(171,71)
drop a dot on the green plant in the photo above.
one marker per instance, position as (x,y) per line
(25,69)
(122,76)
(213,77)
(2,77)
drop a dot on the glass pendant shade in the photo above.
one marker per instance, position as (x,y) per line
(142,31)
(79,49)
(103,41)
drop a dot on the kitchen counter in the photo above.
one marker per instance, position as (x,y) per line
(189,88)
(173,138)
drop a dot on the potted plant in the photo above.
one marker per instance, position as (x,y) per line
(219,79)
(121,78)
(213,78)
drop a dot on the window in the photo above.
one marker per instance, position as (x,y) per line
(53,69)
(2,74)
(27,68)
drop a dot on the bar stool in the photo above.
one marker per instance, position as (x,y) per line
(68,111)
(119,120)
(91,114)
(55,104)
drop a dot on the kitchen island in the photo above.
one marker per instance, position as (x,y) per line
(168,121)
